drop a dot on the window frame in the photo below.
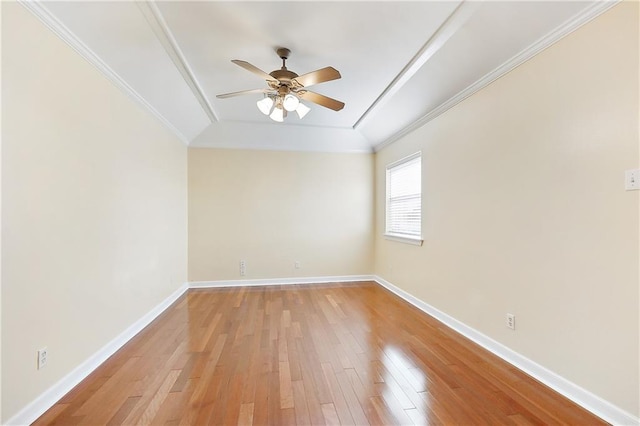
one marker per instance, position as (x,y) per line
(403,238)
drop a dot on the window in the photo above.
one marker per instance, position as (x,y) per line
(404,200)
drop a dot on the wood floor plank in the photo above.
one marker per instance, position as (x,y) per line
(340,353)
(275,412)
(444,414)
(50,416)
(350,397)
(286,388)
(234,399)
(124,410)
(393,405)
(340,404)
(363,397)
(175,405)
(418,418)
(152,407)
(330,414)
(245,417)
(300,404)
(261,405)
(383,412)
(312,395)
(106,401)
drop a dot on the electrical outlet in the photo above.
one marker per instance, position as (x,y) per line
(243,268)
(632,180)
(42,358)
(511,321)
(297,264)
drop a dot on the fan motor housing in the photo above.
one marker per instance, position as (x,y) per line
(284,76)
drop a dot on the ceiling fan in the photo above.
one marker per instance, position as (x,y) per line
(286,89)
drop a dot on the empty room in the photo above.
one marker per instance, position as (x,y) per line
(300,212)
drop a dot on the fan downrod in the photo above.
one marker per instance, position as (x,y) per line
(283,75)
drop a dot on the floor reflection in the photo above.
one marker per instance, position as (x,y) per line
(306,354)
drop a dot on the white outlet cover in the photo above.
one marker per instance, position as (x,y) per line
(511,321)
(42,358)
(632,180)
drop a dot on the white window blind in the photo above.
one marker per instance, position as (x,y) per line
(404,198)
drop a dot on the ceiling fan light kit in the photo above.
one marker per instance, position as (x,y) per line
(286,89)
(302,110)
(277,115)
(290,102)
(265,105)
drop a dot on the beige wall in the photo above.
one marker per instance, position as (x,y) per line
(274,208)
(525,209)
(93,209)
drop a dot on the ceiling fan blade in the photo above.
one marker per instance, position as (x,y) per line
(242,92)
(322,100)
(252,68)
(317,76)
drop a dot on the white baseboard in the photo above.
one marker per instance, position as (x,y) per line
(48,398)
(281,281)
(52,395)
(580,396)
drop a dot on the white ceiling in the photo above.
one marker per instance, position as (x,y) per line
(402,63)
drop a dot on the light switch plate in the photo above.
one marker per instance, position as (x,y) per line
(632,180)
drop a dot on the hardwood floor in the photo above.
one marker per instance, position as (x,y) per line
(310,354)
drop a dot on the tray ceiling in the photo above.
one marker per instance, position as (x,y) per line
(402,63)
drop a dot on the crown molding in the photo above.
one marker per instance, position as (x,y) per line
(274,137)
(566,28)
(50,21)
(160,28)
(451,25)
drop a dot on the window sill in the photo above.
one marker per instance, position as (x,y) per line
(402,239)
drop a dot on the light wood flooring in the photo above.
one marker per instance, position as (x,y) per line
(352,354)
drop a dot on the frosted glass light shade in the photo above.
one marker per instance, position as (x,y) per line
(290,102)
(302,110)
(264,105)
(277,115)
